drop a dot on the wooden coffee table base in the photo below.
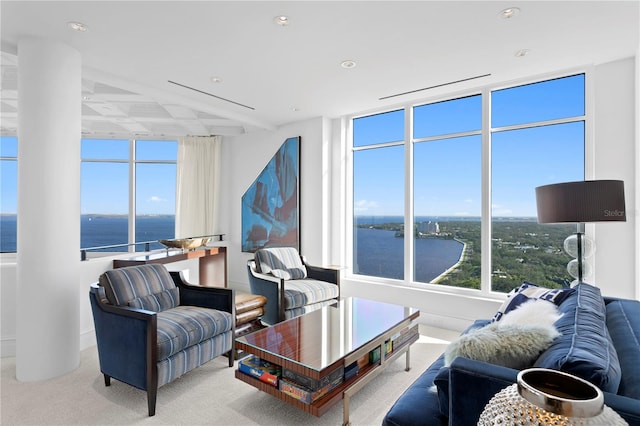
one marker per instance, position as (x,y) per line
(346,389)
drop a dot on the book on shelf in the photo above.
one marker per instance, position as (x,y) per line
(351,370)
(404,336)
(374,356)
(311,383)
(260,369)
(304,394)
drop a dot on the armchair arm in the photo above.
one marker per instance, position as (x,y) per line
(270,287)
(127,342)
(221,299)
(322,274)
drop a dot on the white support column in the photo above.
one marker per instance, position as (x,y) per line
(48,270)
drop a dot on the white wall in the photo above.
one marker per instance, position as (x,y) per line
(616,258)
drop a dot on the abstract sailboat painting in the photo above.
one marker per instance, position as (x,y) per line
(270,206)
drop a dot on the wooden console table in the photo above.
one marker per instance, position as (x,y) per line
(212,262)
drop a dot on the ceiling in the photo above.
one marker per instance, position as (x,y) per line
(138,56)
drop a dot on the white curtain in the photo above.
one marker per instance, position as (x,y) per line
(197,186)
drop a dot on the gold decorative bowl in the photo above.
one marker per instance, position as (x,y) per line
(185,243)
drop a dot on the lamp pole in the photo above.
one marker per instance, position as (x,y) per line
(579,235)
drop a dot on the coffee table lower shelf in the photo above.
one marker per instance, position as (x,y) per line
(342,392)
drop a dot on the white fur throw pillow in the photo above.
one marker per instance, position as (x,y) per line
(510,345)
(515,341)
(534,311)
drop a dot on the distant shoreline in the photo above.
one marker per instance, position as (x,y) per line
(463,253)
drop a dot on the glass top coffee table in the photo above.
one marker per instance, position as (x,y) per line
(352,335)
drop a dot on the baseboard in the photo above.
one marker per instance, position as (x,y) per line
(448,323)
(8,345)
(87,339)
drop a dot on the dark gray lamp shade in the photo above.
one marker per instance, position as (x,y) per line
(581,202)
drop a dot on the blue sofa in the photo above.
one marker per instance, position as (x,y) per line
(599,341)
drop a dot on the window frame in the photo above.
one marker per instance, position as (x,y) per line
(486,211)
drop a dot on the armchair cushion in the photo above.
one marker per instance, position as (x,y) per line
(185,326)
(281,262)
(300,293)
(157,302)
(186,360)
(147,287)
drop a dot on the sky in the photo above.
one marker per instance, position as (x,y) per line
(104,187)
(447,171)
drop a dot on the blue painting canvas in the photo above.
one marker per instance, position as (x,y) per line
(270,207)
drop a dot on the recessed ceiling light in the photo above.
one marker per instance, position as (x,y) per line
(348,64)
(522,52)
(216,79)
(295,109)
(281,20)
(77,26)
(509,12)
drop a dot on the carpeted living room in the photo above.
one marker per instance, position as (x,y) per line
(319,212)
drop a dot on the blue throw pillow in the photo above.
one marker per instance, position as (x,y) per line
(528,291)
(584,348)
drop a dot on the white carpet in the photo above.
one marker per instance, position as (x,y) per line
(208,395)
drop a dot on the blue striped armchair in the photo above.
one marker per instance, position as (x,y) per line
(292,286)
(152,327)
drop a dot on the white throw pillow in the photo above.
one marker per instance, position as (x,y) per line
(515,341)
(511,345)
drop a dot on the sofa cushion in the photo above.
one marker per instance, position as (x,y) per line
(584,347)
(281,262)
(300,293)
(623,322)
(145,286)
(528,291)
(185,326)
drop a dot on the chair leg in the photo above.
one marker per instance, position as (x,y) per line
(151,401)
(107,380)
(231,356)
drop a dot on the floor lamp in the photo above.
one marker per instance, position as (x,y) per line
(581,202)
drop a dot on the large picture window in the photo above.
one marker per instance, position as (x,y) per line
(378,199)
(8,193)
(110,174)
(534,135)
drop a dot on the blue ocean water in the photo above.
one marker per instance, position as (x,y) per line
(102,230)
(380,253)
